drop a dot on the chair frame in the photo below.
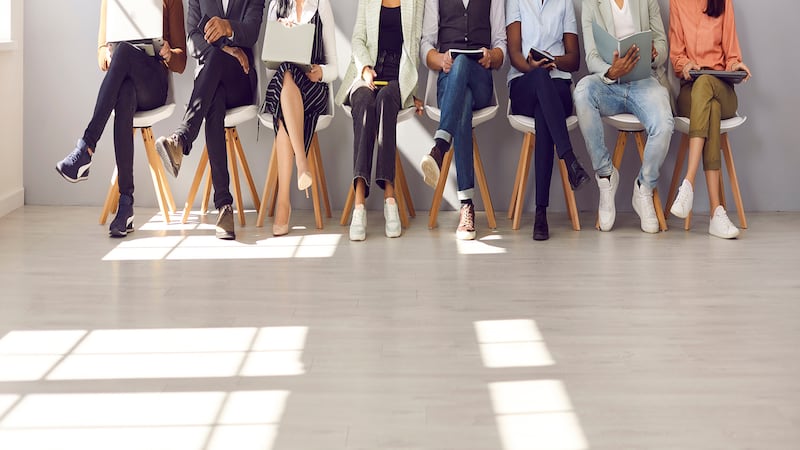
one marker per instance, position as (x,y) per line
(527,125)
(483,115)
(236,157)
(402,194)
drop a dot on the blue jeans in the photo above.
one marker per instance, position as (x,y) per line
(646,99)
(467,87)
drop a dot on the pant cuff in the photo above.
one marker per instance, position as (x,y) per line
(466,194)
(444,135)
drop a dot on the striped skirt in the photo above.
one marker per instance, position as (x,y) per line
(314,95)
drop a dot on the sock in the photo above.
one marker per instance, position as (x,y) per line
(441,144)
(466,202)
(569,158)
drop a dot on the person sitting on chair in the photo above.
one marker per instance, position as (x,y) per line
(706,100)
(540,88)
(380,81)
(221,36)
(134,81)
(464,85)
(296,98)
(603,94)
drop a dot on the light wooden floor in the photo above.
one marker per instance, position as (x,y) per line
(172,340)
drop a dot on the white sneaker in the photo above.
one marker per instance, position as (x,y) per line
(358,225)
(392,216)
(683,202)
(643,205)
(607,211)
(721,226)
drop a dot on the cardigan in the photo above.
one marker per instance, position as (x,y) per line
(365,47)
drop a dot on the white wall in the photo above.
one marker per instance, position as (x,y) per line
(11,186)
(62,81)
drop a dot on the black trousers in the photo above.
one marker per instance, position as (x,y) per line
(375,116)
(133,82)
(220,85)
(548,101)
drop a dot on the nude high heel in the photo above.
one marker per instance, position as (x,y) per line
(304,181)
(282,230)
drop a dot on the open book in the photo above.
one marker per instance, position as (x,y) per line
(472,54)
(607,44)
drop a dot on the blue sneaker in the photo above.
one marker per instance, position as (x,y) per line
(123,221)
(75,167)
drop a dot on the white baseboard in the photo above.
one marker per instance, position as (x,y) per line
(11,201)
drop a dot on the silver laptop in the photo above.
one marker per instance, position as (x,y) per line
(139,22)
(288,44)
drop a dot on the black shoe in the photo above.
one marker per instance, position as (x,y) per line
(540,230)
(577,176)
(123,221)
(225,223)
(431,166)
(75,167)
(170,150)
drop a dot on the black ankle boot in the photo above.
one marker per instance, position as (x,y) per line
(540,229)
(123,221)
(577,176)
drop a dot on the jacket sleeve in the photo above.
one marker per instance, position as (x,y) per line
(359,41)
(198,47)
(245,31)
(330,70)
(175,34)
(594,62)
(659,36)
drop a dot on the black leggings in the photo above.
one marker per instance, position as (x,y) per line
(134,82)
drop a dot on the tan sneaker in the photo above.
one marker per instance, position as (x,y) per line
(466,224)
(225,223)
(171,152)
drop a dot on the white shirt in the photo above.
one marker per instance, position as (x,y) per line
(542,26)
(623,19)
(225,6)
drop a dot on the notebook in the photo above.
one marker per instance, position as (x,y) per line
(731,77)
(139,22)
(606,45)
(288,44)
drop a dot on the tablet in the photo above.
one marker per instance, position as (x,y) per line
(731,77)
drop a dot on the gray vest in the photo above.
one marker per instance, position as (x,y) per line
(461,28)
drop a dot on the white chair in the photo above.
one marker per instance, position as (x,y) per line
(144,121)
(726,125)
(404,202)
(628,124)
(527,125)
(318,188)
(233,118)
(478,117)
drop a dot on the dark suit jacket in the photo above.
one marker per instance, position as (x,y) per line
(245,17)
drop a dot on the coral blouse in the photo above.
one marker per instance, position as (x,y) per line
(711,42)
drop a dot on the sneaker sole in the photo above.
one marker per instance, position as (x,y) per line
(166,160)
(358,237)
(430,171)
(226,236)
(465,235)
(641,225)
(71,180)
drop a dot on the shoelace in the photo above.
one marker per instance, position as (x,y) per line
(74,156)
(466,218)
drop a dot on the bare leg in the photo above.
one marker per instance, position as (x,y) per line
(712,182)
(695,153)
(388,190)
(285,157)
(292,106)
(361,188)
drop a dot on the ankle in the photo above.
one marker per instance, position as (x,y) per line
(390,200)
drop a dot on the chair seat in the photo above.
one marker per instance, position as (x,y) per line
(144,119)
(682,124)
(478,116)
(239,115)
(527,124)
(624,122)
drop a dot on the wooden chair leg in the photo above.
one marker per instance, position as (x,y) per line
(737,194)
(348,205)
(569,196)
(400,179)
(202,167)
(480,176)
(206,193)
(246,170)
(400,197)
(662,221)
(112,197)
(272,172)
(323,182)
(438,193)
(233,168)
(522,186)
(155,164)
(514,191)
(315,188)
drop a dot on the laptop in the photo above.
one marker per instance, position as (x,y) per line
(288,44)
(734,77)
(138,22)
